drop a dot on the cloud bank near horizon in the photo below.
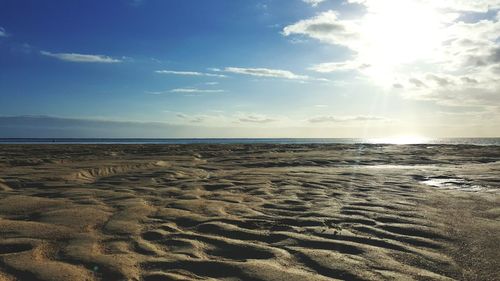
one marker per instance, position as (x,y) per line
(58,127)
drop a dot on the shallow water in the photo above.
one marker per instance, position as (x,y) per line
(454,184)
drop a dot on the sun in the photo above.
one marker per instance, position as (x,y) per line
(394,33)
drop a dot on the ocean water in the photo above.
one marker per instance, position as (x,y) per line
(452,141)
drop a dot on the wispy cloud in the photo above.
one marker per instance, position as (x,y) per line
(313,3)
(193,119)
(185,91)
(181,115)
(154,92)
(265,72)
(339,119)
(189,73)
(195,90)
(218,118)
(84,58)
(271,73)
(261,6)
(339,66)
(254,118)
(3,33)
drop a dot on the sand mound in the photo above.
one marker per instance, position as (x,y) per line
(92,174)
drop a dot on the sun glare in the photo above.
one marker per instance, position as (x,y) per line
(400,140)
(398,32)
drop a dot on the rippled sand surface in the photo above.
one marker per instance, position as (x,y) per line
(249,212)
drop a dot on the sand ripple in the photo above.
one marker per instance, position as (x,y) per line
(234,212)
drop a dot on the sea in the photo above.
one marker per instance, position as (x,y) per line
(399,141)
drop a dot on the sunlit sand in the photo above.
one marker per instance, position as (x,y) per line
(249,212)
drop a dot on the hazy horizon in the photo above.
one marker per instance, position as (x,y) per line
(253,69)
(53,127)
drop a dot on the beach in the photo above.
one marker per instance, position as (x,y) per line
(249,212)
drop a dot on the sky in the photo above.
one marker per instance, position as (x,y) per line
(242,68)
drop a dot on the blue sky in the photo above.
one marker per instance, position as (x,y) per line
(234,68)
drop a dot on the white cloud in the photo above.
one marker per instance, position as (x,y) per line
(472,89)
(73,57)
(442,58)
(326,27)
(195,90)
(339,66)
(340,119)
(417,83)
(313,3)
(189,73)
(3,33)
(478,6)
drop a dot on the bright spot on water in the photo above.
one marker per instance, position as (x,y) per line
(400,140)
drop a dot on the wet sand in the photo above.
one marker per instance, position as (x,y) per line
(249,212)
